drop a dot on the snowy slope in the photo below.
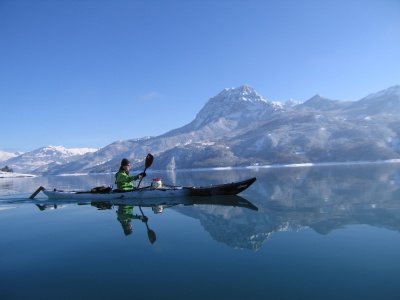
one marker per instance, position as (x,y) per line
(30,161)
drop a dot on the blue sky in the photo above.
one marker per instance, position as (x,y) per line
(86,73)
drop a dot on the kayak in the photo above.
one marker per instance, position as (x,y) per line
(152,191)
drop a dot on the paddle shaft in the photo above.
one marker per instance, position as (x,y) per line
(141,178)
(150,233)
(36,192)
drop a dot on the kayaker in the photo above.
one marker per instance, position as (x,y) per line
(122,178)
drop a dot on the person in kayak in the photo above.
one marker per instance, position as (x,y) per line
(122,178)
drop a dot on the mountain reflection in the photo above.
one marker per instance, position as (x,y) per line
(322,198)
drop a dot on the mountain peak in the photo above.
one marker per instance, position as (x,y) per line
(317,97)
(65,151)
(322,103)
(386,101)
(242,93)
(246,89)
(393,91)
(237,106)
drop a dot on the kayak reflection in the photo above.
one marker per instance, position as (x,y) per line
(156,204)
(125,207)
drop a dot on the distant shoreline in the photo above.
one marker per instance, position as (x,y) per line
(327,164)
(15,175)
(278,166)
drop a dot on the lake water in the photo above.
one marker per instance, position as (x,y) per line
(328,232)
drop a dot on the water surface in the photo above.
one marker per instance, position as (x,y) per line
(327,232)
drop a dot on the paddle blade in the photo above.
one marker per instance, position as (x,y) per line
(152,236)
(149,160)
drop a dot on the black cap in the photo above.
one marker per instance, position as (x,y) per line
(125,162)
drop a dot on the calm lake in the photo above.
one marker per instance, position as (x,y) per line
(322,232)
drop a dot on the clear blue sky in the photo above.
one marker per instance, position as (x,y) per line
(86,73)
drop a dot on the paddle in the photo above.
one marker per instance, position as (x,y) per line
(36,192)
(147,164)
(150,233)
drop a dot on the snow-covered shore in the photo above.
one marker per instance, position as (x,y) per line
(14,175)
(277,166)
(347,163)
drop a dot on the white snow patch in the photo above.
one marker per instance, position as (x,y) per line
(14,175)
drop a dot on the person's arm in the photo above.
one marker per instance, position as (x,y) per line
(138,176)
(123,177)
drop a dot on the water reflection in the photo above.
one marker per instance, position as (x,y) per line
(282,199)
(124,207)
(328,198)
(322,198)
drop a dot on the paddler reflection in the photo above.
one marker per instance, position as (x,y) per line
(125,216)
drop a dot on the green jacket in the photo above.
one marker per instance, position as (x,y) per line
(124,181)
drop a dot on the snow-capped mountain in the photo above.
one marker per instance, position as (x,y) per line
(43,158)
(239,127)
(237,107)
(7,155)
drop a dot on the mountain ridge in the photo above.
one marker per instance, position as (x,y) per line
(239,127)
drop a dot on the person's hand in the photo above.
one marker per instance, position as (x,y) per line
(143,174)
